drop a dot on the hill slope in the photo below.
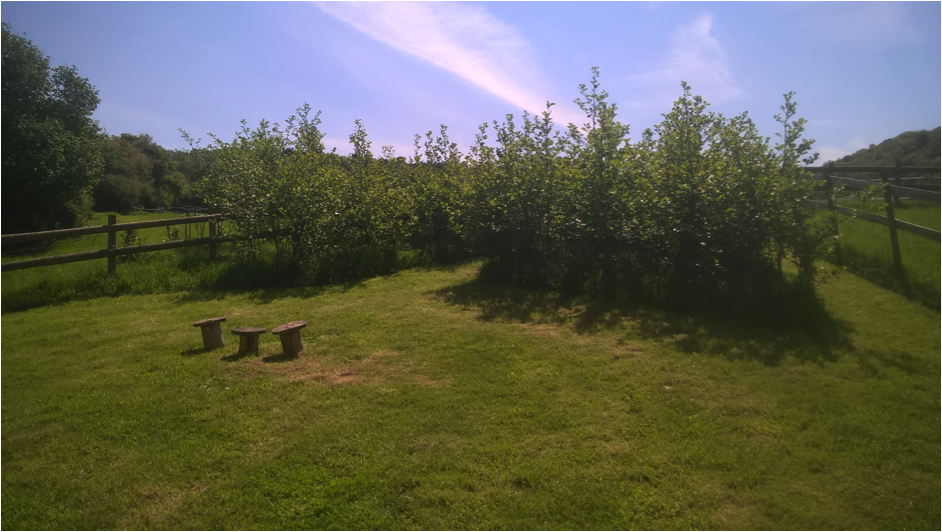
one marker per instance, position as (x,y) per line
(913,148)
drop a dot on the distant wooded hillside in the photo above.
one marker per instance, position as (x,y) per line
(913,148)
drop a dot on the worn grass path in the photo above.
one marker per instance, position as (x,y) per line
(430,400)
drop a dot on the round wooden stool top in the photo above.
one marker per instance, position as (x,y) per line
(209,321)
(288,327)
(248,331)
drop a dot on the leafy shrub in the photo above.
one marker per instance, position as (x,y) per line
(701,208)
(339,218)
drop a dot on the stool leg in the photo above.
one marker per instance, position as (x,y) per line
(291,343)
(287,346)
(245,344)
(212,336)
(296,342)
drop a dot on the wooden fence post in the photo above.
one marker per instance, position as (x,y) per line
(898,178)
(838,254)
(212,245)
(112,245)
(891,218)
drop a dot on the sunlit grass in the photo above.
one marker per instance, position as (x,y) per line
(432,400)
(146,273)
(867,251)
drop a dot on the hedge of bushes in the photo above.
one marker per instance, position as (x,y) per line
(700,207)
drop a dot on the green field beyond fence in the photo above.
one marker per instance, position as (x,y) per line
(867,251)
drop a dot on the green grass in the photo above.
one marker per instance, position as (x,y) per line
(867,252)
(432,400)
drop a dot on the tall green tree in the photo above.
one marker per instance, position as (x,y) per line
(138,172)
(51,147)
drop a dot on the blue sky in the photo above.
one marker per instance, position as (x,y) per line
(862,72)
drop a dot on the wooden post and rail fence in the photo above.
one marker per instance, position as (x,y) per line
(824,173)
(891,195)
(112,252)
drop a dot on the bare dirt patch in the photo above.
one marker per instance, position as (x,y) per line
(156,504)
(627,350)
(320,368)
(617,448)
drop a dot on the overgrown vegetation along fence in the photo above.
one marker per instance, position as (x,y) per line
(890,191)
(112,251)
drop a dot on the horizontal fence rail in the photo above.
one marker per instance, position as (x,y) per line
(112,252)
(918,230)
(890,191)
(99,229)
(860,184)
(873,169)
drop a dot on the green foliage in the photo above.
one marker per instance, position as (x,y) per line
(912,148)
(438,183)
(338,218)
(138,173)
(51,154)
(700,208)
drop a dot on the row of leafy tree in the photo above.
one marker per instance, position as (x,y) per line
(700,207)
(57,163)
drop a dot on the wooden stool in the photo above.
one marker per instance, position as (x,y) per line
(248,338)
(212,333)
(290,334)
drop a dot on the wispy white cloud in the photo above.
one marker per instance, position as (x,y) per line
(462,39)
(695,56)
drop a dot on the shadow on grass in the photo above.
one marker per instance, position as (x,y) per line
(279,358)
(793,324)
(192,352)
(235,357)
(263,296)
(880,271)
(874,361)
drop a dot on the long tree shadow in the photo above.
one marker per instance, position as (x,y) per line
(795,324)
(262,295)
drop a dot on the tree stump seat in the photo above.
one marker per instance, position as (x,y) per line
(212,333)
(248,338)
(290,335)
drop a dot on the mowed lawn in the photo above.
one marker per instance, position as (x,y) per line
(431,400)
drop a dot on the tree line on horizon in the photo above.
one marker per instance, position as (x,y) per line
(911,148)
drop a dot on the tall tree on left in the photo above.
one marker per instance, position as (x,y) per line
(51,147)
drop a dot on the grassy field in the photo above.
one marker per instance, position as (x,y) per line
(432,400)
(868,253)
